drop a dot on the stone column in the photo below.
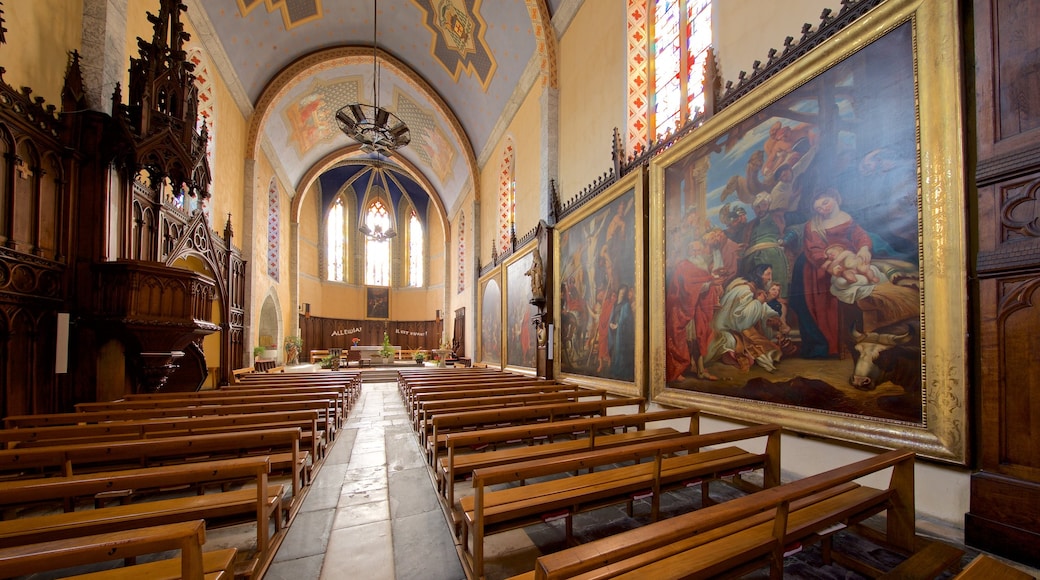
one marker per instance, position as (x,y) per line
(104,59)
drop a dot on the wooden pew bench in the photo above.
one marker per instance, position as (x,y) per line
(410,391)
(442,424)
(256,500)
(326,420)
(330,398)
(187,537)
(419,398)
(456,465)
(492,400)
(754,531)
(280,447)
(984,567)
(312,436)
(490,511)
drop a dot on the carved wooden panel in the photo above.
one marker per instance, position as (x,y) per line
(1010,311)
(1004,517)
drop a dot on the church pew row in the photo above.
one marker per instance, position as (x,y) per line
(326,421)
(187,537)
(281,445)
(621,474)
(753,531)
(346,397)
(442,424)
(312,436)
(330,398)
(495,399)
(256,501)
(419,398)
(349,382)
(407,382)
(409,392)
(457,465)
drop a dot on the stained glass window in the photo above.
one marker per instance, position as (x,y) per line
(506,197)
(274,229)
(415,251)
(336,241)
(670,38)
(462,253)
(377,251)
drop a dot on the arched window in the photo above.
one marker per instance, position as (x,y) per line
(506,196)
(377,247)
(670,38)
(336,241)
(415,251)
(274,229)
(462,253)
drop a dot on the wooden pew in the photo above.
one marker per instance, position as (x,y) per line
(188,537)
(753,531)
(417,399)
(496,399)
(257,501)
(489,511)
(307,421)
(346,397)
(441,425)
(410,391)
(282,445)
(331,399)
(457,465)
(326,421)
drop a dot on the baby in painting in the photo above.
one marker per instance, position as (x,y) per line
(842,262)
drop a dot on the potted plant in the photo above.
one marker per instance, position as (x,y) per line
(258,352)
(329,362)
(293,344)
(419,357)
(387,350)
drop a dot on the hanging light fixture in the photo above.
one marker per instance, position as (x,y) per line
(377,129)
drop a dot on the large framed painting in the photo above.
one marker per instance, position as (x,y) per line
(377,302)
(813,264)
(600,314)
(490,316)
(521,336)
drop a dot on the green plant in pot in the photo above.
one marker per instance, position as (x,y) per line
(387,350)
(327,362)
(258,352)
(419,357)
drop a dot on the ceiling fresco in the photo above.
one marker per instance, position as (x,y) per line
(448,68)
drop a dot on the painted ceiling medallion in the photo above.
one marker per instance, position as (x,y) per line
(458,38)
(294,12)
(456,26)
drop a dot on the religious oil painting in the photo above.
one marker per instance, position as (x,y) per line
(600,288)
(377,302)
(521,335)
(794,267)
(491,322)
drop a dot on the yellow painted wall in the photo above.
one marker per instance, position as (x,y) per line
(745,30)
(40,35)
(592,94)
(528,160)
(525,134)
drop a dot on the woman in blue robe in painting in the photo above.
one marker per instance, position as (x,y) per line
(622,337)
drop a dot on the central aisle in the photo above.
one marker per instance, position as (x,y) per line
(372,511)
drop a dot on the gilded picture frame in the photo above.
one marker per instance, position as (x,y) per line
(519,335)
(724,368)
(600,337)
(489,313)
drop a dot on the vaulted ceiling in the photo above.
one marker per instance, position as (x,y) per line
(451,69)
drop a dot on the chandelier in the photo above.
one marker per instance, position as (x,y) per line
(377,129)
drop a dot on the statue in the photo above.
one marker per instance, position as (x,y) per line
(537,274)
